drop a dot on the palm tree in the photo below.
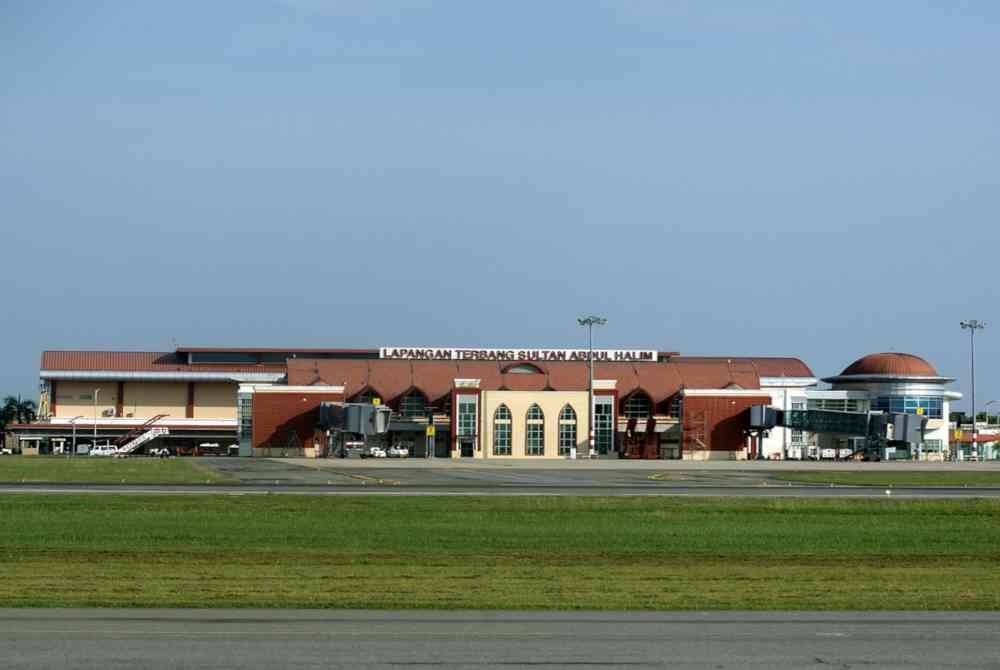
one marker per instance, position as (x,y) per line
(17,410)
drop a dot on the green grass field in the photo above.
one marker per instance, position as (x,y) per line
(895,478)
(54,469)
(498,552)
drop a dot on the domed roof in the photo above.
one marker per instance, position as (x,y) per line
(890,364)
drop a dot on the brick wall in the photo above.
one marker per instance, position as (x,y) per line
(717,423)
(281,419)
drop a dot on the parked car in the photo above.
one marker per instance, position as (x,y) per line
(103,450)
(6,452)
(399,451)
(160,452)
(374,452)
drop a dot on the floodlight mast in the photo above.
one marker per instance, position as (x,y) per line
(590,321)
(972,325)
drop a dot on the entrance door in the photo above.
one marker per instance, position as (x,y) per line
(465,445)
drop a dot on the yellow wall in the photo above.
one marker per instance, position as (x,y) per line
(215,401)
(212,400)
(77,399)
(518,403)
(147,399)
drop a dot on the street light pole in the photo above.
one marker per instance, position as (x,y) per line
(972,325)
(991,402)
(73,421)
(96,393)
(590,322)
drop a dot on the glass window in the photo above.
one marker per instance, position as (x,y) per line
(836,404)
(798,437)
(466,416)
(534,432)
(676,406)
(524,369)
(932,446)
(928,406)
(567,430)
(501,431)
(637,406)
(604,436)
(365,397)
(413,404)
(246,416)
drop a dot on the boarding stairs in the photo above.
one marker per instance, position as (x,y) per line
(140,435)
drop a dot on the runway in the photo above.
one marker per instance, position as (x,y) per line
(387,488)
(56,638)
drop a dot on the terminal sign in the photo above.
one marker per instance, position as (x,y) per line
(438,354)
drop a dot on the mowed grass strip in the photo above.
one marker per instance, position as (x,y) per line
(894,478)
(496,552)
(105,470)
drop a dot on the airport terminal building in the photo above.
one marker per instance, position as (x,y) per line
(460,403)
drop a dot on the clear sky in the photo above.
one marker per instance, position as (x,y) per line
(811,179)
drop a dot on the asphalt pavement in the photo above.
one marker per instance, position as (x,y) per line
(360,640)
(467,477)
(389,489)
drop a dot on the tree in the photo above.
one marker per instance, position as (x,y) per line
(15,410)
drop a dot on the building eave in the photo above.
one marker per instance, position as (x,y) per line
(862,379)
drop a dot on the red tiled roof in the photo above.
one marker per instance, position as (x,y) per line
(140,361)
(891,364)
(661,380)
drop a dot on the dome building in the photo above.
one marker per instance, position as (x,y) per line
(899,383)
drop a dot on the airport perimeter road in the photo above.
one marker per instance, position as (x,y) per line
(483,640)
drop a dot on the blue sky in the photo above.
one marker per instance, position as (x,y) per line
(809,179)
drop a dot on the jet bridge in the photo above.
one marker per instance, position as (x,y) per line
(886,434)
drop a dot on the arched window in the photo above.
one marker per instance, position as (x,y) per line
(366,397)
(524,369)
(534,434)
(501,431)
(676,406)
(567,430)
(413,404)
(637,406)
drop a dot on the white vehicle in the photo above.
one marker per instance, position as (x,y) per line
(374,452)
(103,450)
(161,452)
(399,451)
(829,453)
(6,452)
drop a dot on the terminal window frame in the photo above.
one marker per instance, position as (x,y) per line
(798,437)
(932,446)
(676,406)
(502,422)
(366,396)
(933,407)
(413,404)
(567,430)
(534,433)
(466,416)
(604,417)
(637,405)
(246,416)
(837,404)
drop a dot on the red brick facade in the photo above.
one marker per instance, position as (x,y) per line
(716,423)
(288,420)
